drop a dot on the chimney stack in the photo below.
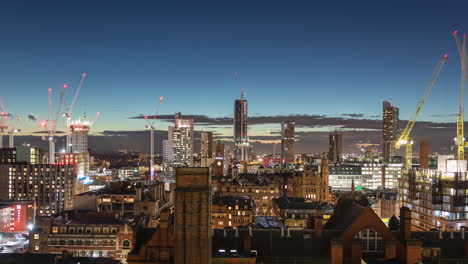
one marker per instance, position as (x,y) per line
(318,222)
(405,222)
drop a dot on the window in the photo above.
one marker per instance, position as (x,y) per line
(36,236)
(372,243)
(126,243)
(36,247)
(54,229)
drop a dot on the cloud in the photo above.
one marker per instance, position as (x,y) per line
(354,115)
(32,118)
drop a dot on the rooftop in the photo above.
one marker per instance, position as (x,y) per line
(300,203)
(233,200)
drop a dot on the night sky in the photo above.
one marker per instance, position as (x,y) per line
(335,59)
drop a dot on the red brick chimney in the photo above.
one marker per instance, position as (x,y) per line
(405,222)
(318,223)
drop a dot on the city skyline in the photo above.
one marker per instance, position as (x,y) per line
(162,49)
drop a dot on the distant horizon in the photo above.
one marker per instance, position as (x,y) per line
(295,58)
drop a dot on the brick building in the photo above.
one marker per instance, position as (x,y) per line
(192,216)
(354,233)
(16,216)
(300,213)
(155,245)
(90,235)
(261,193)
(232,211)
(312,183)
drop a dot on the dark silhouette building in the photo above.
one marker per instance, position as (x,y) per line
(335,147)
(390,129)
(287,140)
(193,216)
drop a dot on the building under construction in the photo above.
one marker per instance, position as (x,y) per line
(437,199)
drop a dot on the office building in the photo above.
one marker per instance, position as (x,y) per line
(79,136)
(287,140)
(181,135)
(241,136)
(206,149)
(167,150)
(50,186)
(366,173)
(390,129)
(335,147)
(193,216)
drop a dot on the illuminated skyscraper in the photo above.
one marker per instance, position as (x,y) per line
(335,147)
(287,140)
(79,136)
(390,129)
(241,137)
(181,135)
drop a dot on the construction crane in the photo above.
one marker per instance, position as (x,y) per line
(51,124)
(151,126)
(3,122)
(405,138)
(6,125)
(460,138)
(68,113)
(13,129)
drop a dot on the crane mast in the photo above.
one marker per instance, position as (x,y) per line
(52,122)
(151,126)
(460,138)
(6,125)
(405,138)
(69,112)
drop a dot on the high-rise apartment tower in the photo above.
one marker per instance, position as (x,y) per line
(390,129)
(287,140)
(241,136)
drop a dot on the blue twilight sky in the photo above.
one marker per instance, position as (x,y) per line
(293,57)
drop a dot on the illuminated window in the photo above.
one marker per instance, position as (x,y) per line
(36,236)
(372,243)
(54,229)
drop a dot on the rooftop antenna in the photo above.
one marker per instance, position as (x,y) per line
(236,76)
